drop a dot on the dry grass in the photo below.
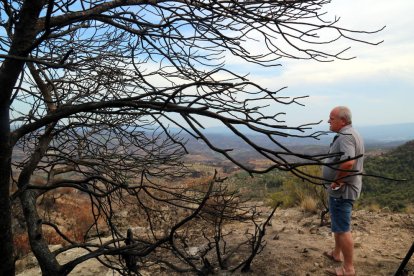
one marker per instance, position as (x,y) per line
(78,217)
(309,204)
(409,209)
(21,244)
(374,207)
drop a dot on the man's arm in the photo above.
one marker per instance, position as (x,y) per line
(344,170)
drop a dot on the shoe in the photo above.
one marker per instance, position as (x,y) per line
(330,256)
(339,271)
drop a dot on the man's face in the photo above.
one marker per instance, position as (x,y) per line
(335,122)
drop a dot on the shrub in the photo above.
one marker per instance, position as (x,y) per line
(309,204)
(409,209)
(81,220)
(297,192)
(274,198)
(51,236)
(21,244)
(373,207)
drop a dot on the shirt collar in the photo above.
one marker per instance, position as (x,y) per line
(344,128)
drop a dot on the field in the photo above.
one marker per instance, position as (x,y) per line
(383,225)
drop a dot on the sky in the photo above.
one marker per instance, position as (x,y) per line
(378,86)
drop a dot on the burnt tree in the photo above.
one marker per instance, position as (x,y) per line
(90,89)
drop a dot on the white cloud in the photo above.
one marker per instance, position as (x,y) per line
(377,85)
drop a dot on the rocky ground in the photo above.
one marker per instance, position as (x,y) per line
(296,242)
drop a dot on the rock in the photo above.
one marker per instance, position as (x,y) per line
(380,265)
(325,232)
(54,247)
(276,237)
(27,262)
(192,251)
(397,255)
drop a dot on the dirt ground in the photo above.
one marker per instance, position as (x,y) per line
(296,242)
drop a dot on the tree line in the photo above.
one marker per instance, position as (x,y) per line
(382,192)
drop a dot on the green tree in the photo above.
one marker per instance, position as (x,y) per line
(396,164)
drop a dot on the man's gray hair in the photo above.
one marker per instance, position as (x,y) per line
(345,113)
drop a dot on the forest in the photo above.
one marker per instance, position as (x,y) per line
(388,183)
(396,164)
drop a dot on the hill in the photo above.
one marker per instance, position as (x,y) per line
(396,164)
(295,243)
(378,139)
(372,134)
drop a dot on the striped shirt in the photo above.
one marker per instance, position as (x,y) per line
(347,144)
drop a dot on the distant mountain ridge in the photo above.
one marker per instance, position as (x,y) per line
(372,134)
(395,132)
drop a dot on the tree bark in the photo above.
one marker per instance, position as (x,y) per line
(46,259)
(6,236)
(10,70)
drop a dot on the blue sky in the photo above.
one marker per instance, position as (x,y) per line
(378,85)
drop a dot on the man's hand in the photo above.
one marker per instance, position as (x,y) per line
(337,185)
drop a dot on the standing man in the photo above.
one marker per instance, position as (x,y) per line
(344,181)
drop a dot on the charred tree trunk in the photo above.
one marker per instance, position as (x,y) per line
(6,236)
(46,259)
(24,35)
